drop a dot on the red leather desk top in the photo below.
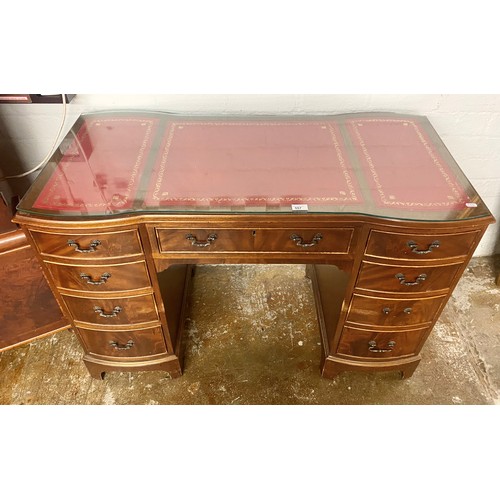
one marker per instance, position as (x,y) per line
(245,163)
(383,164)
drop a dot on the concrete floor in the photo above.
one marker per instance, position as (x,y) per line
(252,338)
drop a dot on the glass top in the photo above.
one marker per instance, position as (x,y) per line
(125,162)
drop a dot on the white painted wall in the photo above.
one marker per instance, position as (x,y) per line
(468,124)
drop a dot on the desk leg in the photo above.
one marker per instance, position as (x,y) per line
(329,286)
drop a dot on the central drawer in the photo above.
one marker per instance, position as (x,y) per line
(112,311)
(317,240)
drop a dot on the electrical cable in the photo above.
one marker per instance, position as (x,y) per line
(52,149)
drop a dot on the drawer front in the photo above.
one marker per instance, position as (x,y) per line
(115,311)
(204,240)
(88,246)
(393,312)
(405,279)
(359,343)
(304,240)
(107,278)
(420,246)
(255,240)
(122,343)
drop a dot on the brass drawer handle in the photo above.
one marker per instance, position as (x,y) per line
(373,346)
(300,242)
(402,279)
(122,347)
(88,279)
(194,240)
(406,310)
(113,314)
(414,247)
(92,247)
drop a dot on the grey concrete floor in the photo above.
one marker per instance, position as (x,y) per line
(252,338)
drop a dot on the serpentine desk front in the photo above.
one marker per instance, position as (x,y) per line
(372,203)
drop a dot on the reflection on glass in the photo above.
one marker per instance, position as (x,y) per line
(382,164)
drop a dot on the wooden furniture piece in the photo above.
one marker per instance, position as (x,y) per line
(29,310)
(373,203)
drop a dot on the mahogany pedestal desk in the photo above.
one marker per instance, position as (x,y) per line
(372,203)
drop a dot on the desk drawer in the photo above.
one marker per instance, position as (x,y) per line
(310,240)
(393,312)
(112,311)
(123,343)
(406,279)
(336,240)
(419,246)
(204,240)
(88,246)
(106,278)
(359,343)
